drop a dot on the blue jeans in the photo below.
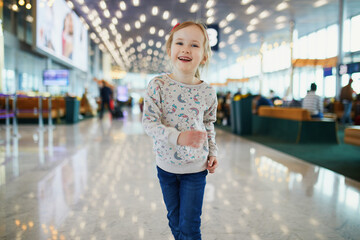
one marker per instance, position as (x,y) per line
(183,196)
(346,118)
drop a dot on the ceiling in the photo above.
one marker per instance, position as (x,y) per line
(120,28)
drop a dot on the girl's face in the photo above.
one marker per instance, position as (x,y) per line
(187,50)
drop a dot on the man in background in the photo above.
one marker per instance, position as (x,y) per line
(106,96)
(346,98)
(313,103)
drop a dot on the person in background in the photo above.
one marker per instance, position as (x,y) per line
(106,96)
(179,115)
(346,98)
(227,106)
(273,96)
(258,101)
(313,103)
(141,104)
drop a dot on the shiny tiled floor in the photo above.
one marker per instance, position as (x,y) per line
(97,180)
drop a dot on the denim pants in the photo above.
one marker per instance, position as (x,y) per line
(346,118)
(183,196)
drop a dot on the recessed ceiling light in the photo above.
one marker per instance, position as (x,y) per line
(166,15)
(280,19)
(143,18)
(85,9)
(320,3)
(155,11)
(194,7)
(174,22)
(102,4)
(250,28)
(251,9)
(152,30)
(106,13)
(127,27)
(210,4)
(161,33)
(151,42)
(69,3)
(230,17)
(182,1)
(122,5)
(136,3)
(114,21)
(210,12)
(222,44)
(138,39)
(280,25)
(239,33)
(254,21)
(158,44)
(282,6)
(227,30)
(210,20)
(118,14)
(92,35)
(264,14)
(244,2)
(223,23)
(137,24)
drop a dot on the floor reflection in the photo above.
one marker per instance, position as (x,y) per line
(97,180)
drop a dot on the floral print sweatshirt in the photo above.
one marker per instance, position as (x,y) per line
(171,107)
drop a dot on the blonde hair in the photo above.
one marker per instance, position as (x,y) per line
(206,44)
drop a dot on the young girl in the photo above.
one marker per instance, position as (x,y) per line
(179,113)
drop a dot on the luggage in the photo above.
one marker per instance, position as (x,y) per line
(118,113)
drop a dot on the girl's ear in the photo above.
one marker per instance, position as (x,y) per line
(204,60)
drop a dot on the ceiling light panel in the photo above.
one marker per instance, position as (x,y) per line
(122,5)
(166,15)
(282,6)
(136,3)
(194,7)
(250,10)
(155,11)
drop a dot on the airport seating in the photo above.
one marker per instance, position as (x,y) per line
(352,135)
(28,107)
(294,125)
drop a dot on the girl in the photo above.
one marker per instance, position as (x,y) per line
(179,113)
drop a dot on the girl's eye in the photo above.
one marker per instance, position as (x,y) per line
(179,43)
(195,45)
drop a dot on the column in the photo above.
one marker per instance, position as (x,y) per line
(291,84)
(1,46)
(340,55)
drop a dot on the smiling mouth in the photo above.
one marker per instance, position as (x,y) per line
(186,59)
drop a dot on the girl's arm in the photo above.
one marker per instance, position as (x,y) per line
(209,119)
(153,114)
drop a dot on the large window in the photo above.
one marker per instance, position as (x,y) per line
(355,34)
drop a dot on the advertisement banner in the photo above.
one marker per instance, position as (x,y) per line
(59,32)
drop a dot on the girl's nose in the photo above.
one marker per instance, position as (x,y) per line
(185,50)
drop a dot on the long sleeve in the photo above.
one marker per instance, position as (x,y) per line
(152,116)
(209,120)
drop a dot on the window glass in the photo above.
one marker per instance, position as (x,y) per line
(355,34)
(346,36)
(332,41)
(356,83)
(330,86)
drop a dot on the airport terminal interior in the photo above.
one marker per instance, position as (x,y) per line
(70,169)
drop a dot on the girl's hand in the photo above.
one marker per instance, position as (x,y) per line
(192,138)
(212,164)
